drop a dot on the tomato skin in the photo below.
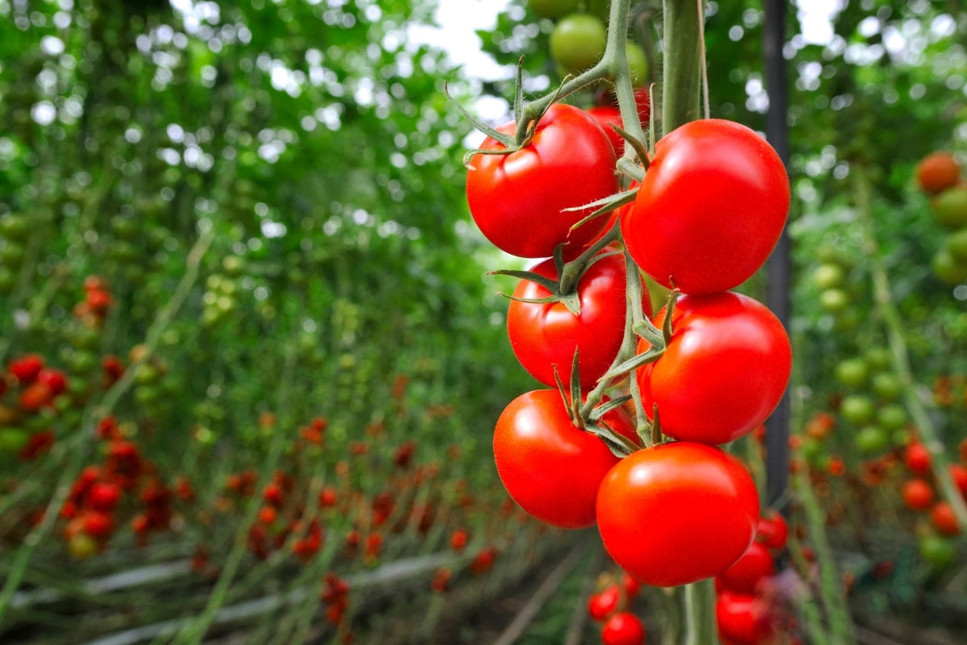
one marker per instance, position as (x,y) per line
(723,372)
(711,207)
(606,115)
(739,620)
(543,335)
(549,467)
(518,200)
(917,494)
(604,603)
(677,513)
(773,531)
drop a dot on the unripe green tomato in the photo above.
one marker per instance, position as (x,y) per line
(147,394)
(146,373)
(577,42)
(892,417)
(937,551)
(833,300)
(887,385)
(956,245)
(233,265)
(124,227)
(82,361)
(852,372)
(858,409)
(829,275)
(878,357)
(84,337)
(950,207)
(13,439)
(553,8)
(637,63)
(14,226)
(872,439)
(946,267)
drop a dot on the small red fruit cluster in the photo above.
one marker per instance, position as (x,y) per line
(610,607)
(938,176)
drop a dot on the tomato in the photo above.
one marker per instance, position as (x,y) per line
(604,603)
(26,368)
(852,372)
(552,8)
(55,379)
(35,396)
(887,385)
(519,200)
(677,513)
(772,531)
(917,494)
(948,268)
(551,468)
(858,409)
(623,628)
(917,458)
(829,275)
(740,620)
(711,207)
(637,62)
(578,42)
(937,551)
(950,207)
(937,171)
(606,115)
(956,245)
(943,519)
(872,438)
(959,474)
(723,372)
(103,496)
(545,335)
(743,576)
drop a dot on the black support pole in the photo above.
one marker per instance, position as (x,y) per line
(779,266)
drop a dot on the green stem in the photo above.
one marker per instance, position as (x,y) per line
(700,613)
(682,67)
(886,307)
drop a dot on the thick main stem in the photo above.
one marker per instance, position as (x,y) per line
(700,604)
(682,64)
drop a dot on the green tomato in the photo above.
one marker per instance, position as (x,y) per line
(956,245)
(637,63)
(852,372)
(887,385)
(950,207)
(833,300)
(12,254)
(938,551)
(577,42)
(829,275)
(14,226)
(858,409)
(553,8)
(892,417)
(947,268)
(13,439)
(878,358)
(872,439)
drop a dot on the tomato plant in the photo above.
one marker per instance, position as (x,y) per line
(550,467)
(710,209)
(723,372)
(545,335)
(520,200)
(677,513)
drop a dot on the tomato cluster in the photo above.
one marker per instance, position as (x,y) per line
(711,206)
(610,605)
(938,176)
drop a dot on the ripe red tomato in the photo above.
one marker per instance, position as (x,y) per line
(677,513)
(604,603)
(743,576)
(605,115)
(773,531)
(916,458)
(937,171)
(723,372)
(35,396)
(917,494)
(623,628)
(545,335)
(26,368)
(549,467)
(710,209)
(55,379)
(740,621)
(944,519)
(519,200)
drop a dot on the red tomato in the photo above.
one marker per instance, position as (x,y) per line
(623,628)
(519,200)
(677,513)
(604,603)
(743,576)
(545,335)
(711,207)
(773,531)
(723,372)
(55,379)
(917,494)
(740,622)
(943,519)
(549,467)
(959,474)
(35,396)
(916,458)
(26,368)
(605,115)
